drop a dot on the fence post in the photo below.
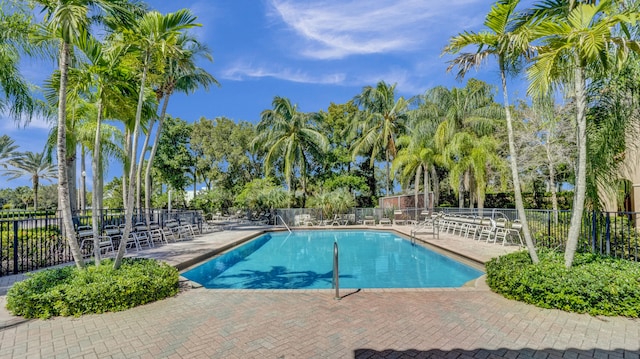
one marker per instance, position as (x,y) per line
(549,225)
(15,247)
(607,233)
(594,228)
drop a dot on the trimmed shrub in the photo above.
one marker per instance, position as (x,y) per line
(594,284)
(68,291)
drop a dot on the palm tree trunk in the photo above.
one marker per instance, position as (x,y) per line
(461,192)
(140,166)
(127,165)
(36,184)
(581,179)
(417,189)
(425,203)
(152,154)
(63,179)
(436,186)
(472,194)
(95,169)
(128,210)
(388,173)
(195,183)
(83,178)
(71,174)
(513,162)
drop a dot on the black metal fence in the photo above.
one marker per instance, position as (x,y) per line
(615,234)
(34,240)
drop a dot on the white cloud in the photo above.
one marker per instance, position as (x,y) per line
(242,71)
(337,29)
(7,124)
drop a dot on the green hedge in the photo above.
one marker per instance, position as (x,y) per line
(68,291)
(594,284)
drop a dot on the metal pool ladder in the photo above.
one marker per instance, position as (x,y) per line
(336,274)
(283,222)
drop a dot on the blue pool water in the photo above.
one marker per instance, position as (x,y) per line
(304,260)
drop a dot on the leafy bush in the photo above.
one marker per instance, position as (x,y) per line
(68,291)
(594,284)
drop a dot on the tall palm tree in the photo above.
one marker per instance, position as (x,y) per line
(381,121)
(508,47)
(180,74)
(287,134)
(36,166)
(66,21)
(153,38)
(574,37)
(470,110)
(415,157)
(104,72)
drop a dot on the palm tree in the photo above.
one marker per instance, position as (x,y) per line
(284,133)
(507,46)
(37,166)
(180,74)
(105,73)
(613,122)
(471,110)
(15,29)
(66,21)
(154,37)
(574,37)
(414,158)
(474,155)
(377,126)
(7,150)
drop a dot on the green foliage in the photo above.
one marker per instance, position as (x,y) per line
(216,200)
(594,284)
(16,198)
(223,152)
(331,203)
(260,195)
(113,194)
(68,291)
(174,160)
(25,214)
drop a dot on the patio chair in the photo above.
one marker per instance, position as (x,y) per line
(398,218)
(155,234)
(142,233)
(114,234)
(85,237)
(180,232)
(501,230)
(514,231)
(487,230)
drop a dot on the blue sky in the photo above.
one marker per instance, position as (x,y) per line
(313,52)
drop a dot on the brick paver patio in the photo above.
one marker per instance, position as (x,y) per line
(470,322)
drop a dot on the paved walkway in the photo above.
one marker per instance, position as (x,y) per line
(469,322)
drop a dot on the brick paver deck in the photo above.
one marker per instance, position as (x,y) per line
(470,322)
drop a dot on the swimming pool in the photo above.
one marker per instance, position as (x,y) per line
(304,260)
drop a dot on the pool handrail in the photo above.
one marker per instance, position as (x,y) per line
(283,222)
